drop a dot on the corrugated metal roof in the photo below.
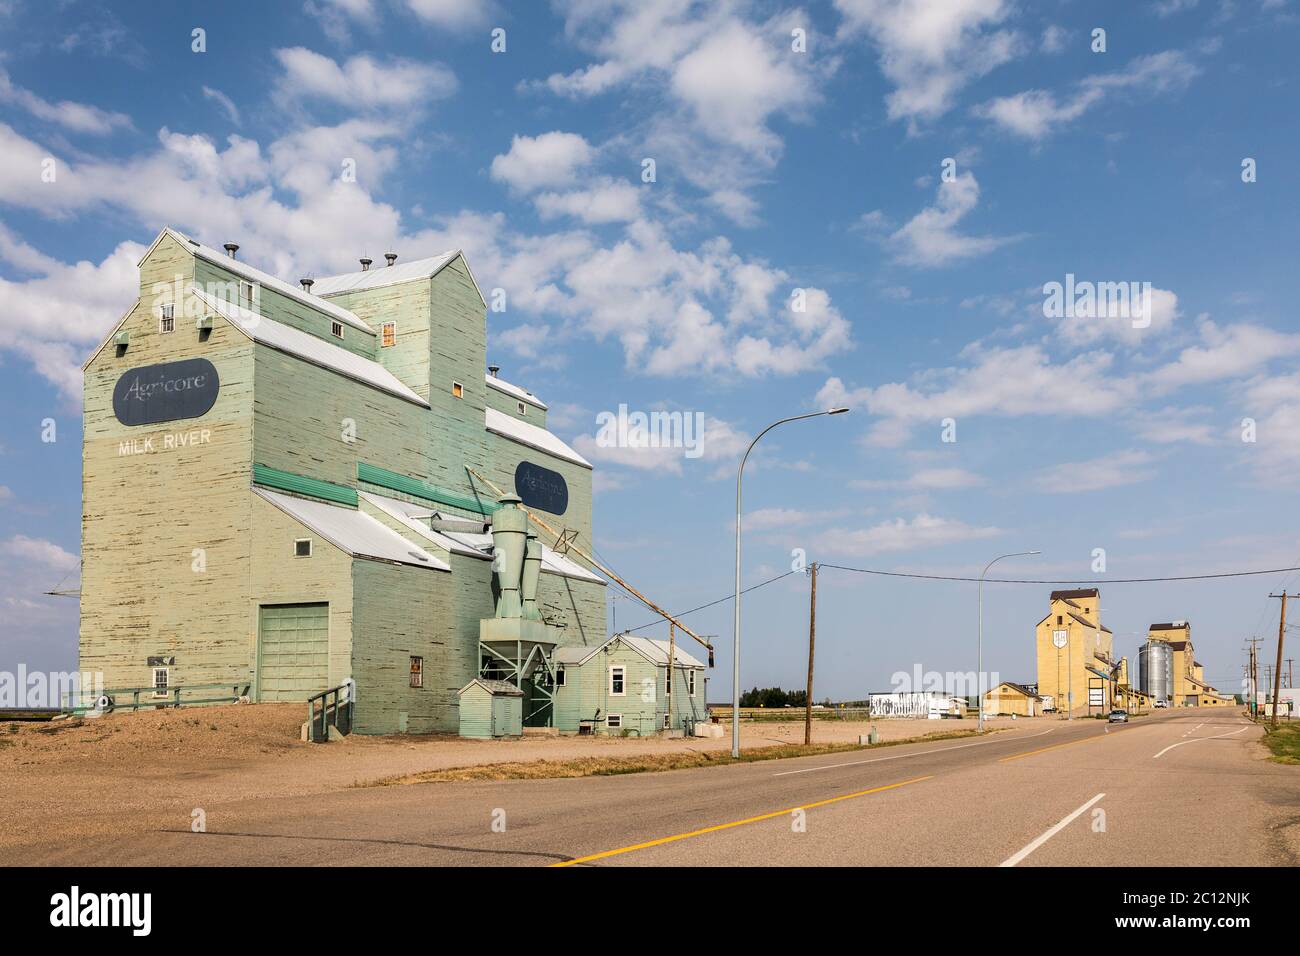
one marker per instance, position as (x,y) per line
(655,651)
(408,514)
(501,385)
(384,275)
(552,562)
(243,269)
(295,342)
(354,532)
(532,436)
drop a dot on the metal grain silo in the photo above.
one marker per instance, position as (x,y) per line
(1156,669)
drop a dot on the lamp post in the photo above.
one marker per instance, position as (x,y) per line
(735,638)
(979,674)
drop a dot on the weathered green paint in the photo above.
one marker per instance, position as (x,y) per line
(485,714)
(382,478)
(586,695)
(293,650)
(182,559)
(302,485)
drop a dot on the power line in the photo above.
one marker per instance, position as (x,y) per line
(948,577)
(722,600)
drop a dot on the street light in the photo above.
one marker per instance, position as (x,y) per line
(979,674)
(735,639)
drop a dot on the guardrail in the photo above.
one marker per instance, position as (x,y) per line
(168,697)
(337,713)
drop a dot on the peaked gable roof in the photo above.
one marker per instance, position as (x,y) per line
(253,274)
(381,276)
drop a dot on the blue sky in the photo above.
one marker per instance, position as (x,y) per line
(822,170)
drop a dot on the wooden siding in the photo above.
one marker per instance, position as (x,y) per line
(154,513)
(643,705)
(223,284)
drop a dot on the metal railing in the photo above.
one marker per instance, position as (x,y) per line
(152,697)
(330,713)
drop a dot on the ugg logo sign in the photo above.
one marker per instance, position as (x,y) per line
(166,392)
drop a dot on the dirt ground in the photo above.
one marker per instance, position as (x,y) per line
(74,779)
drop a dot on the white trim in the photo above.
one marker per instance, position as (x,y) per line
(336,328)
(383,331)
(457,385)
(618,717)
(111,335)
(622,669)
(298,541)
(690,682)
(514,391)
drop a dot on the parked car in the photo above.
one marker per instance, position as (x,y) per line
(1118,716)
(1161,704)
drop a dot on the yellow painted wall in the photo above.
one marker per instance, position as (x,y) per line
(1063,670)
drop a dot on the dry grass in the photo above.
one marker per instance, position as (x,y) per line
(643,763)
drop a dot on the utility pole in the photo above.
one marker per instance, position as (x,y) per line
(812,642)
(1277,676)
(1254,678)
(672,653)
(1290,672)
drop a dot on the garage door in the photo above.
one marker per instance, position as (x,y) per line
(293,651)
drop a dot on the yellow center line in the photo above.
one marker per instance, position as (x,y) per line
(1042,750)
(736,823)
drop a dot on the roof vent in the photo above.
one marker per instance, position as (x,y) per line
(231,248)
(493,369)
(307,283)
(391,257)
(365,263)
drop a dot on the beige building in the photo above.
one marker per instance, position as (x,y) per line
(1189,686)
(1076,665)
(1008,698)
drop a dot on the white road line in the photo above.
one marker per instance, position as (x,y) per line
(1193,730)
(1013,860)
(919,753)
(1231,733)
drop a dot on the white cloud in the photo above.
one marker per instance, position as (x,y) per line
(1158,313)
(225,102)
(1036,114)
(606,201)
(1109,471)
(551,159)
(925,479)
(1225,353)
(77,117)
(901,534)
(452,14)
(41,552)
(714,78)
(362,82)
(930,238)
(1010,382)
(719,444)
(931,49)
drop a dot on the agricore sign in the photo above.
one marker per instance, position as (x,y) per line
(166,392)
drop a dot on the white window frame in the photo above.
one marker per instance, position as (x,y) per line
(336,328)
(690,682)
(246,292)
(614,721)
(622,677)
(457,389)
(523,409)
(298,541)
(668,683)
(167,318)
(383,334)
(416,676)
(163,689)
(668,720)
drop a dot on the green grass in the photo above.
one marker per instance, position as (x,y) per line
(642,763)
(1283,743)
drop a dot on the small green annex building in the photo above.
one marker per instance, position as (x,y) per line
(491,708)
(279,490)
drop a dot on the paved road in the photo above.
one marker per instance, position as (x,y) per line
(1186,788)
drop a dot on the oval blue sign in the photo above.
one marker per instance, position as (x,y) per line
(166,392)
(541,488)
